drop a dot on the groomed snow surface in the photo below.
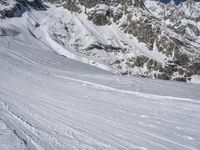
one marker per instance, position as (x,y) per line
(50,102)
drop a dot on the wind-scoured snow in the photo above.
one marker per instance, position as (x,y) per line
(51,102)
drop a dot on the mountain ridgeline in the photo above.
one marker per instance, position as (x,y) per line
(137,37)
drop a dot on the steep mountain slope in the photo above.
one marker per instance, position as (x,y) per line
(140,38)
(49,102)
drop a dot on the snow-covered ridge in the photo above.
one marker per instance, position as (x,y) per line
(137,38)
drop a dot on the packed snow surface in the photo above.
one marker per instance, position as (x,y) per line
(51,102)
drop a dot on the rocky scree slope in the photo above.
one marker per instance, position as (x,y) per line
(135,37)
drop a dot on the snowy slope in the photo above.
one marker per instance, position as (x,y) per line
(130,37)
(50,102)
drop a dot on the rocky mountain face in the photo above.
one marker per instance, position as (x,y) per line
(135,37)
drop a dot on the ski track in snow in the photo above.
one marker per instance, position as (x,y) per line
(49,102)
(100,86)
